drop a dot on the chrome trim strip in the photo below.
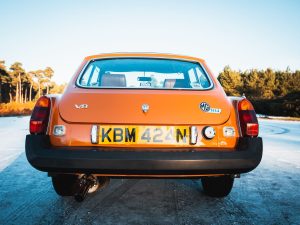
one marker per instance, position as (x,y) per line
(132,57)
(236,105)
(81,74)
(193,135)
(94,134)
(50,115)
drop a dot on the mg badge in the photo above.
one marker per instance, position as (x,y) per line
(145,108)
(204,107)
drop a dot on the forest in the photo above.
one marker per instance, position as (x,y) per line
(19,89)
(272,92)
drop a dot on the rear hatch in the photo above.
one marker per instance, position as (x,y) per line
(166,107)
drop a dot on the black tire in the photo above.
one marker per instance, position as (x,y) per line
(63,184)
(217,186)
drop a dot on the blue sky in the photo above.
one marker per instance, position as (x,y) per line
(243,34)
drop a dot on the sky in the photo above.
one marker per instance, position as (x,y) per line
(243,34)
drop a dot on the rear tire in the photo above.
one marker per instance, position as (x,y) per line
(63,184)
(217,186)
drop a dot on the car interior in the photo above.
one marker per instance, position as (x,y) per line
(115,80)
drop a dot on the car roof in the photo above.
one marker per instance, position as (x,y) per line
(143,54)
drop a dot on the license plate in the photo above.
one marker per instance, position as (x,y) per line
(140,135)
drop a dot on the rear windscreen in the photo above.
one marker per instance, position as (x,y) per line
(144,73)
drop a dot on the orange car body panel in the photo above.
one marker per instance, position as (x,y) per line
(122,107)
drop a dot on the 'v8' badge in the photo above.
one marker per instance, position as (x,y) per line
(81,106)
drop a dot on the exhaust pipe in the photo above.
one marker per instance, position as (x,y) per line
(88,184)
(83,185)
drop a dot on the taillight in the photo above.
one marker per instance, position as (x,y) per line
(40,116)
(248,120)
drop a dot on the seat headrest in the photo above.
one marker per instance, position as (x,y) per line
(169,83)
(176,83)
(113,80)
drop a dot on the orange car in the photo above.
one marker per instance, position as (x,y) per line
(143,115)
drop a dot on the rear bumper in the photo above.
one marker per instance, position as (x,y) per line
(42,156)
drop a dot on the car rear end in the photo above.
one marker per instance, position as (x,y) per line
(149,115)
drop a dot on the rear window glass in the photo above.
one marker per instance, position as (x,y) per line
(144,73)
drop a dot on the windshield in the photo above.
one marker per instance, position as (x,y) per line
(144,73)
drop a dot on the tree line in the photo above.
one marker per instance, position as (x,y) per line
(18,85)
(272,92)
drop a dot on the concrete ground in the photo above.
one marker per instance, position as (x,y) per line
(268,195)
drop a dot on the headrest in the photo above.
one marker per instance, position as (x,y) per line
(176,83)
(169,83)
(113,80)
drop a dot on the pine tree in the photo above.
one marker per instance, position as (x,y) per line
(5,81)
(17,75)
(231,81)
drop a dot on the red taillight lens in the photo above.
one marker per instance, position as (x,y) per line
(40,116)
(252,129)
(248,120)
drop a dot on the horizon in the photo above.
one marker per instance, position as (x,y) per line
(244,35)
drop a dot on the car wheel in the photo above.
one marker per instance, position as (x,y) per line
(217,186)
(63,184)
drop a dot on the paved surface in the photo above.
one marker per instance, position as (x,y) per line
(268,195)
